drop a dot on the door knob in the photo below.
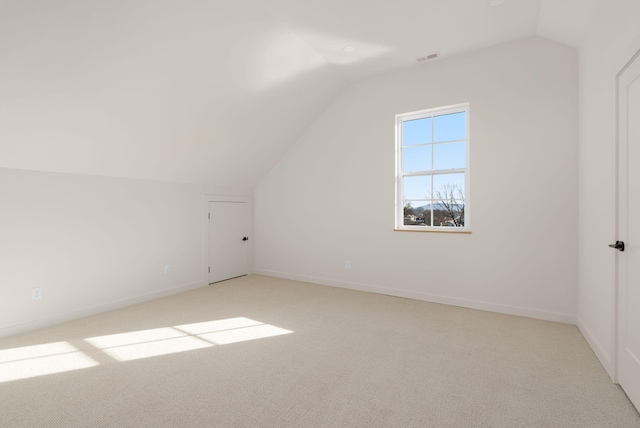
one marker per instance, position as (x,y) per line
(619,245)
(245,238)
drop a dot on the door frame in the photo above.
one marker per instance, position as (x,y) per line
(631,56)
(205,239)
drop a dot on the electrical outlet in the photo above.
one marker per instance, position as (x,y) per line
(36,293)
(347,264)
(167,269)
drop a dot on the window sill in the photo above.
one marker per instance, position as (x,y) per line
(435,230)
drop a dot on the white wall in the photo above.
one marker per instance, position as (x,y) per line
(612,41)
(92,244)
(331,198)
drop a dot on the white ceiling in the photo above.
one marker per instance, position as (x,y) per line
(215,92)
(392,34)
(566,21)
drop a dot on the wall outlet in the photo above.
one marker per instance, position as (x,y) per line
(167,269)
(347,264)
(36,293)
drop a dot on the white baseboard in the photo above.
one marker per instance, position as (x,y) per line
(94,310)
(453,301)
(604,357)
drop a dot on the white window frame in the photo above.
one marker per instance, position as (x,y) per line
(400,174)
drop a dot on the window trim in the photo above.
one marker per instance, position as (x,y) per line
(399,194)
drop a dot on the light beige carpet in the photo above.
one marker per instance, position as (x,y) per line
(265,352)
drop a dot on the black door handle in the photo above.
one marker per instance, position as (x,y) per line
(245,238)
(619,245)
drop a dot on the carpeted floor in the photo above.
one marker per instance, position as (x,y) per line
(265,352)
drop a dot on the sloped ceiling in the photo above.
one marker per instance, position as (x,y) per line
(213,92)
(566,21)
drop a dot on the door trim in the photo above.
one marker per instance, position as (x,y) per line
(205,229)
(616,196)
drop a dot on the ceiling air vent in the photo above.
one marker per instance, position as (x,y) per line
(429,57)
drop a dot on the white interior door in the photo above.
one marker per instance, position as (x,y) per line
(228,240)
(628,257)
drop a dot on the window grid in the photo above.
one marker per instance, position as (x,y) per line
(456,205)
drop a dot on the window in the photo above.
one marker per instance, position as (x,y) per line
(432,151)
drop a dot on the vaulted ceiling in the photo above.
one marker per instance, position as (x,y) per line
(213,91)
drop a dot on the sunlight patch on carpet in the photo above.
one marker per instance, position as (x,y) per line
(170,340)
(39,360)
(232,330)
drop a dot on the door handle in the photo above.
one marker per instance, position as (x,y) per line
(619,245)
(246,238)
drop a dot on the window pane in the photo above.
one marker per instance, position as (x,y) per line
(450,127)
(448,186)
(416,159)
(416,131)
(415,213)
(417,187)
(448,213)
(449,155)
